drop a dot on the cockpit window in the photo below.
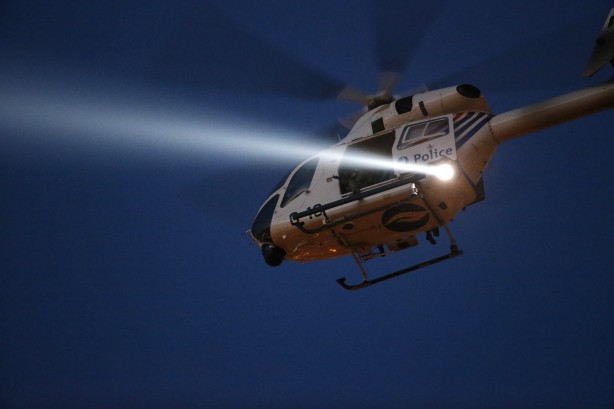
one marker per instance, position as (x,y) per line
(300,181)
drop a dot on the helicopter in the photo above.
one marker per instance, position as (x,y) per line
(407,167)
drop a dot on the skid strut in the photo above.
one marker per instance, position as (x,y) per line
(367,283)
(454,251)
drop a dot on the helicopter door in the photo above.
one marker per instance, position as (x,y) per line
(425,142)
(367,163)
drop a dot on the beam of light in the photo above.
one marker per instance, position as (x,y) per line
(443,171)
(89,118)
(79,117)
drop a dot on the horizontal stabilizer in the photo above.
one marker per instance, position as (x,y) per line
(603,52)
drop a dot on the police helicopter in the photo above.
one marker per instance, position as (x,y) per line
(406,168)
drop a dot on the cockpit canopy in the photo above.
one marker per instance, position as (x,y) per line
(300,181)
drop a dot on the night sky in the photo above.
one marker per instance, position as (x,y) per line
(138,140)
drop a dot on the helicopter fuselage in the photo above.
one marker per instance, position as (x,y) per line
(408,166)
(380,186)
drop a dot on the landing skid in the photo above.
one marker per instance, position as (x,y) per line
(454,251)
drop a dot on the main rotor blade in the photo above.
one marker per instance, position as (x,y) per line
(352,94)
(388,81)
(348,121)
(211,53)
(399,29)
(533,71)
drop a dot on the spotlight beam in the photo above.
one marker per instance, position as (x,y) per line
(135,122)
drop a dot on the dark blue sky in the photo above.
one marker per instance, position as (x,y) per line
(130,168)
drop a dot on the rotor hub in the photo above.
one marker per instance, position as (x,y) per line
(379,100)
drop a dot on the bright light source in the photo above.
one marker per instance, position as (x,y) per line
(444,172)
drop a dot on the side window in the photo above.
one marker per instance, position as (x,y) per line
(416,134)
(366,163)
(300,181)
(437,128)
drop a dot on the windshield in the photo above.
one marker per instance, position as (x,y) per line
(261,228)
(301,181)
(281,182)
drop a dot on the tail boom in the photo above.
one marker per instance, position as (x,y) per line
(521,121)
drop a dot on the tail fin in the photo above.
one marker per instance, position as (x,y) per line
(604,48)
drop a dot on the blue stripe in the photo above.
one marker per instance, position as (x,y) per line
(461,121)
(485,119)
(463,128)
